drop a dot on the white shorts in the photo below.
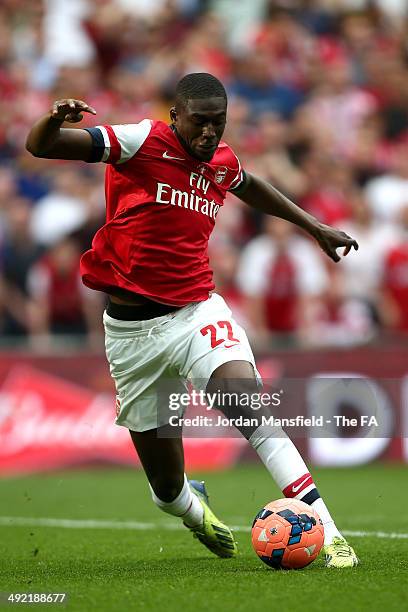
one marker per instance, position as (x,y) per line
(181,347)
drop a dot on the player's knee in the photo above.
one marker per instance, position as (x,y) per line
(235,399)
(233,396)
(167,489)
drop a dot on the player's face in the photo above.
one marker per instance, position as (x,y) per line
(201,124)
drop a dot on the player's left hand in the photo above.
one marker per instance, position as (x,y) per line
(331,239)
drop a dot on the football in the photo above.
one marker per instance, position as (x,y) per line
(287,534)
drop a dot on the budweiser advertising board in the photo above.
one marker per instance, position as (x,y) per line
(57,412)
(47,423)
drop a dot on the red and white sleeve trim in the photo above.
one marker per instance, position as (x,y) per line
(235,183)
(122,142)
(105,156)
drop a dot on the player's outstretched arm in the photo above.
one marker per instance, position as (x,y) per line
(264,197)
(47,138)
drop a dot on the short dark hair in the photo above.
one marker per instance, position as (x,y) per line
(199,85)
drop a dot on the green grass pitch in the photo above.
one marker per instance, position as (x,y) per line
(160,567)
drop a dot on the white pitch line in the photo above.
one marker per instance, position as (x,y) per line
(26,521)
(22,521)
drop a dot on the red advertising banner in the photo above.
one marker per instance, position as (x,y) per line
(58,411)
(47,423)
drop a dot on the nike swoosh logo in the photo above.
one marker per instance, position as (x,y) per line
(299,486)
(167,156)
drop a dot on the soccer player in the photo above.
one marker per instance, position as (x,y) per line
(164,187)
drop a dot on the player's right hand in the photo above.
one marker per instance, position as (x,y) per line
(70,110)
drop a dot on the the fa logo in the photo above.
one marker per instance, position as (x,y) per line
(220,174)
(201,169)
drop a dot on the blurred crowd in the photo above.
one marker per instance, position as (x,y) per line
(318,106)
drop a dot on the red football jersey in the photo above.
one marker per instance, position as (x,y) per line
(161,206)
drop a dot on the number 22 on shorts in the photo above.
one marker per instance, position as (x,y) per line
(212,330)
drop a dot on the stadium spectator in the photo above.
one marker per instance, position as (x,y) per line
(59,303)
(394,297)
(329,190)
(281,275)
(338,319)
(387,195)
(63,210)
(271,142)
(338,106)
(225,255)
(362,274)
(258,81)
(19,252)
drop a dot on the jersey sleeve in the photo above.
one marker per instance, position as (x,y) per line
(239,180)
(116,144)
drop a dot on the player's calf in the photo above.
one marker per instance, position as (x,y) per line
(167,489)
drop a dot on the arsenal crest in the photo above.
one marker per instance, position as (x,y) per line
(220,174)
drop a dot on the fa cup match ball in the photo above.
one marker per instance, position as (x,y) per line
(287,534)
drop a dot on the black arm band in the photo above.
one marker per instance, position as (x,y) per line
(98,145)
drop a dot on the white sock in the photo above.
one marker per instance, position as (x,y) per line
(282,460)
(186,506)
(330,529)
